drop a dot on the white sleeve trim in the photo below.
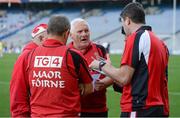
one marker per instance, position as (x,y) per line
(145,45)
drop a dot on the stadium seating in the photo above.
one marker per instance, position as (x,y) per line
(104,25)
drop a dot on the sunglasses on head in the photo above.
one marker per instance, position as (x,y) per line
(120,19)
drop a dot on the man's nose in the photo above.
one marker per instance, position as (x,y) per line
(84,33)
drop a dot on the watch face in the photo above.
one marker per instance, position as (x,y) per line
(101,64)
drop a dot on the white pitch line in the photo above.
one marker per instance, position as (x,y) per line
(4,83)
(174,93)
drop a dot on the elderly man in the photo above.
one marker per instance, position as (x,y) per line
(92,105)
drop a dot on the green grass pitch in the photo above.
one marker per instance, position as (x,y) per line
(113,98)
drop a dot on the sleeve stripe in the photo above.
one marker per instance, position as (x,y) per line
(144,46)
(136,53)
(103,50)
(77,59)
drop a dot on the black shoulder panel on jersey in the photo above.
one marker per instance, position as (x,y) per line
(103,50)
(139,82)
(77,60)
(135,54)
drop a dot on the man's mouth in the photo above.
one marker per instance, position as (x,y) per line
(83,39)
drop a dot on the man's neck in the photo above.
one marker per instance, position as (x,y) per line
(82,50)
(58,38)
(36,42)
(135,27)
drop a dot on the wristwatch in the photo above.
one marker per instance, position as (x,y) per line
(101,64)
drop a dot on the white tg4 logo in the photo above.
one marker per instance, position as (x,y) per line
(48,61)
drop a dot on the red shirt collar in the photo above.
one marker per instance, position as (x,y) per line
(52,42)
(70,45)
(87,49)
(145,28)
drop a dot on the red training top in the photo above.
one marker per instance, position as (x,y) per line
(50,85)
(95,102)
(147,55)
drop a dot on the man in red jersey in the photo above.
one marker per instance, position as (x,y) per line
(92,105)
(18,103)
(143,68)
(39,34)
(50,85)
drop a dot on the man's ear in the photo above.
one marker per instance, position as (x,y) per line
(70,34)
(66,34)
(40,38)
(127,21)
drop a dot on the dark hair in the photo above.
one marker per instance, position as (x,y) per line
(58,24)
(135,12)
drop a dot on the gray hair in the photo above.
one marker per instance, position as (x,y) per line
(58,24)
(76,20)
